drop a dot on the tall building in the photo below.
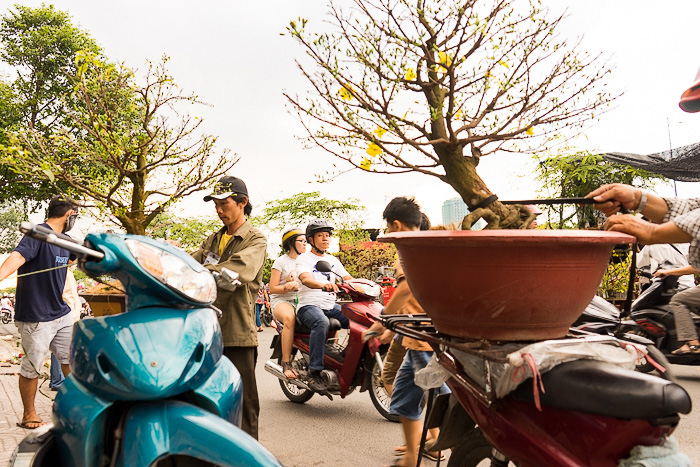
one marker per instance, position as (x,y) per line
(454,210)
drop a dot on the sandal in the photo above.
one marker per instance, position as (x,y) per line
(287,366)
(691,349)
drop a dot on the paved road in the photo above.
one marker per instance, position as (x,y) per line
(341,433)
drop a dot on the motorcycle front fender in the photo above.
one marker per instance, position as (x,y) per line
(157,430)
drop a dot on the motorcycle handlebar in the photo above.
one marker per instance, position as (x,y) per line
(43,234)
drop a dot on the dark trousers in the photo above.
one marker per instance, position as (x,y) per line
(244,359)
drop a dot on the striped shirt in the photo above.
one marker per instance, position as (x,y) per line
(685,213)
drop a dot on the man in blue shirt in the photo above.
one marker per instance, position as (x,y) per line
(42,317)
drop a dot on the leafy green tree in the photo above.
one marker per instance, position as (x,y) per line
(40,46)
(137,149)
(299,209)
(576,175)
(186,233)
(430,86)
(10,217)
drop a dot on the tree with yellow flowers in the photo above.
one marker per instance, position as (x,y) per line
(431,86)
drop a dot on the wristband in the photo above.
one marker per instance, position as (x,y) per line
(642,202)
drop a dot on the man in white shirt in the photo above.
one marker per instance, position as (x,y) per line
(317,296)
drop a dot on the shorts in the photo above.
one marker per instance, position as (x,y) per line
(277,301)
(407,398)
(41,339)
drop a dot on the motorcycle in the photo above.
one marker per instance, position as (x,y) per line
(266,316)
(148,387)
(6,316)
(349,364)
(581,412)
(650,321)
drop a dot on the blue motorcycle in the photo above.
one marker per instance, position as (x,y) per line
(149,387)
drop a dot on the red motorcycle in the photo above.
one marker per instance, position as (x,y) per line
(349,362)
(579,413)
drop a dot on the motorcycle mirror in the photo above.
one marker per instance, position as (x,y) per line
(325,266)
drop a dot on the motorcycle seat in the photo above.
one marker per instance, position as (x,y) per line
(605,389)
(333,326)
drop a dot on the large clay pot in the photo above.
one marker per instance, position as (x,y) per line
(505,284)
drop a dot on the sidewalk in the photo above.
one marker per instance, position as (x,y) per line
(10,401)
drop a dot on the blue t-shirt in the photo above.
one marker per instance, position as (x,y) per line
(39,297)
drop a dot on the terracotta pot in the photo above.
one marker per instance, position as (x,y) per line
(505,284)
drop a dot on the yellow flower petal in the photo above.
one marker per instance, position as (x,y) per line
(530,131)
(373,149)
(410,74)
(346,92)
(366,164)
(379,131)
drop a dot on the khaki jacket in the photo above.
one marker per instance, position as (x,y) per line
(244,254)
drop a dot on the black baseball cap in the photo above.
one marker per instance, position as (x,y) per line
(228,186)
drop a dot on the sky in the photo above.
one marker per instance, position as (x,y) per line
(232,54)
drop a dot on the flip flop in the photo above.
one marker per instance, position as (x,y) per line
(26,425)
(430,456)
(401,450)
(692,350)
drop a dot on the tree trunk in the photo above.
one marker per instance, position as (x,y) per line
(460,173)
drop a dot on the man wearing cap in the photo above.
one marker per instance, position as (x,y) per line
(240,247)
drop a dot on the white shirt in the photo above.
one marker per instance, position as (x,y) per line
(287,268)
(664,256)
(306,262)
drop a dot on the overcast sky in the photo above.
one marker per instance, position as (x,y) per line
(232,55)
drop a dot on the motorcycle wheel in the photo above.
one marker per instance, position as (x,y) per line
(380,398)
(266,316)
(5,318)
(471,451)
(293,392)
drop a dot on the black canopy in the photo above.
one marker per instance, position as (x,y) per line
(681,164)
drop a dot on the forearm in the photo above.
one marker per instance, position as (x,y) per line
(655,208)
(10,265)
(399,299)
(680,271)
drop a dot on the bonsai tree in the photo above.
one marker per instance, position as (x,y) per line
(431,86)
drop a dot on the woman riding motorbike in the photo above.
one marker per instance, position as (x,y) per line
(283,293)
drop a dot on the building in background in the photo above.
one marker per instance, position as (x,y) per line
(454,210)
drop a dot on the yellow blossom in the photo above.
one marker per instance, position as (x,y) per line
(458,115)
(410,74)
(373,149)
(379,131)
(530,131)
(346,92)
(366,164)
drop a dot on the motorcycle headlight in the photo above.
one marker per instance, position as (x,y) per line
(366,287)
(174,272)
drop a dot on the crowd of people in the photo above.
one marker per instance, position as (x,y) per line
(299,291)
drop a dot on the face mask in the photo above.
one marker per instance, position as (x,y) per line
(70,222)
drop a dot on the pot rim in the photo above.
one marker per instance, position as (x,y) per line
(507,236)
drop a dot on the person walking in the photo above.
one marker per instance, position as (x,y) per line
(239,247)
(42,316)
(402,215)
